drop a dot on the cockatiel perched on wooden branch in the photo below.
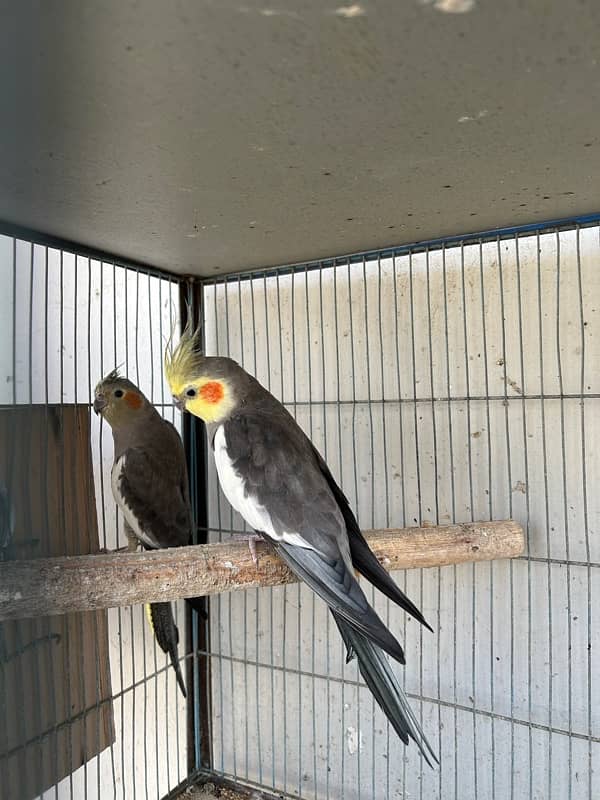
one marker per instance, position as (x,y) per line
(150,486)
(274,477)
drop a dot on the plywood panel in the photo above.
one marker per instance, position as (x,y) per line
(54,672)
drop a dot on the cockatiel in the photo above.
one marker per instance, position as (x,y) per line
(150,486)
(274,477)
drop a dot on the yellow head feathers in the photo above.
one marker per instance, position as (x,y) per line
(198,383)
(184,362)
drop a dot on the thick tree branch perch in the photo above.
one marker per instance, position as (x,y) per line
(81,583)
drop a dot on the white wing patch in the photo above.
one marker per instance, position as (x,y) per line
(115,476)
(234,489)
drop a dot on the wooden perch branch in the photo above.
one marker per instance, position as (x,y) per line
(81,583)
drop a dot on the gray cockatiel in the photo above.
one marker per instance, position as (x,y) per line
(149,484)
(274,477)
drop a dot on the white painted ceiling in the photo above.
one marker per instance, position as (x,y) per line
(207,137)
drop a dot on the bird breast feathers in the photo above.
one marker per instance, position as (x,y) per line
(234,488)
(116,474)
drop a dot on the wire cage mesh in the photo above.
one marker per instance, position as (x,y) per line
(67,321)
(441,385)
(454,382)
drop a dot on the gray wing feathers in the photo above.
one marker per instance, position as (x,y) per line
(153,489)
(280,470)
(338,587)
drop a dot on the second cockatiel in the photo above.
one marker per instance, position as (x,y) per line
(149,484)
(274,477)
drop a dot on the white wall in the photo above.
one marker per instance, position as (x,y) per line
(74,322)
(508,672)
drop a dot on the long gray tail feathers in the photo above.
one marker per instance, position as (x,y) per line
(381,680)
(160,617)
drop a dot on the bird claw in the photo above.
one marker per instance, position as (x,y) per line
(106,550)
(252,539)
(252,547)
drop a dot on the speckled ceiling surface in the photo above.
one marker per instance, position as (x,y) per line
(207,137)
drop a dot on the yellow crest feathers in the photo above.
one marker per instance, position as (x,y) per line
(183,361)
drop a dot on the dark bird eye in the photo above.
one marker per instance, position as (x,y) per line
(119,392)
(191,393)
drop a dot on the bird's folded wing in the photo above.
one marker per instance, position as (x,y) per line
(338,587)
(363,558)
(272,477)
(152,499)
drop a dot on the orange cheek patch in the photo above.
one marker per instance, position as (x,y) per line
(212,392)
(133,400)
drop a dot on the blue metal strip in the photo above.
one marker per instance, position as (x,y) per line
(493,234)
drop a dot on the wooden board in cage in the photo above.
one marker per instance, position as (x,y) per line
(55,690)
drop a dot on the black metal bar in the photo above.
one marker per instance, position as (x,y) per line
(197,628)
(85,251)
(412,248)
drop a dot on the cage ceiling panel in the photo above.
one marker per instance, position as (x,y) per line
(207,137)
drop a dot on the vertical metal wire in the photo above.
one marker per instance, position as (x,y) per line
(45,501)
(157,727)
(582,326)
(510,513)
(418,476)
(298,587)
(402,491)
(524,384)
(167,761)
(75,513)
(63,501)
(132,623)
(437,514)
(565,509)
(103,490)
(471,516)
(90,521)
(245,597)
(454,570)
(313,607)
(37,628)
(219,613)
(355,474)
(547,517)
(142,625)
(372,443)
(342,473)
(285,588)
(121,612)
(259,758)
(325,454)
(490,480)
(271,616)
(383,388)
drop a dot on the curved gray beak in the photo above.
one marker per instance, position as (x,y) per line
(100,402)
(179,403)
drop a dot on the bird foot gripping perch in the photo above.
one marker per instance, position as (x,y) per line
(251,538)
